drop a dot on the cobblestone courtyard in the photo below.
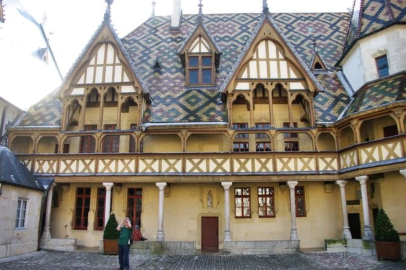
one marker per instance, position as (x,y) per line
(94,260)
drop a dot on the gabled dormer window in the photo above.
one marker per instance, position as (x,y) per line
(200,64)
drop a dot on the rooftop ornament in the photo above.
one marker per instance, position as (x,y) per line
(265,8)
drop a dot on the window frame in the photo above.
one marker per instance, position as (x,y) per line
(242,197)
(84,222)
(272,196)
(200,68)
(99,207)
(21,215)
(88,142)
(292,147)
(303,196)
(382,70)
(111,143)
(134,211)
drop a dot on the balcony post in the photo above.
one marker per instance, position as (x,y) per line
(227,235)
(107,208)
(293,229)
(160,236)
(346,228)
(367,227)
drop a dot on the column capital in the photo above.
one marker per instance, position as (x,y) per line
(226,185)
(403,172)
(341,183)
(51,187)
(161,185)
(292,184)
(362,179)
(108,185)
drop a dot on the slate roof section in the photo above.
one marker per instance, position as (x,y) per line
(371,16)
(378,93)
(174,102)
(13,172)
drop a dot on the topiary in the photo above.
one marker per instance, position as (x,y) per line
(110,231)
(384,230)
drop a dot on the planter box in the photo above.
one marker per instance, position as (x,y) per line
(110,246)
(388,250)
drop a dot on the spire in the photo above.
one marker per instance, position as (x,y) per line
(107,14)
(265,8)
(200,15)
(153,8)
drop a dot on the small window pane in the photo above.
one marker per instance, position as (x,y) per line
(206,61)
(207,76)
(193,61)
(193,77)
(382,65)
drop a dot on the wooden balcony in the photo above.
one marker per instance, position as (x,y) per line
(375,156)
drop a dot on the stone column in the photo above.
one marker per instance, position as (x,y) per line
(346,228)
(47,229)
(293,230)
(227,235)
(367,227)
(107,207)
(160,236)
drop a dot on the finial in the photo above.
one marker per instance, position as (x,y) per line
(153,8)
(311,30)
(200,15)
(107,14)
(265,8)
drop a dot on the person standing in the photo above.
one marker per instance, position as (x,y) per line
(124,244)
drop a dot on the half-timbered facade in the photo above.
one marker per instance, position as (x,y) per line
(226,130)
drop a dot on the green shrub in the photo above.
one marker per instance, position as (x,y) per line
(384,231)
(110,231)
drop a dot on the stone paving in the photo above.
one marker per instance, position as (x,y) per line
(44,260)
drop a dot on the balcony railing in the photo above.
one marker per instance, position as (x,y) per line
(364,155)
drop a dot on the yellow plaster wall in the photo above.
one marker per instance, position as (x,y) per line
(47,145)
(22,145)
(162,143)
(393,190)
(207,143)
(186,204)
(326,142)
(261,113)
(241,114)
(129,118)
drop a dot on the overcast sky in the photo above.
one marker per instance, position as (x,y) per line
(71,23)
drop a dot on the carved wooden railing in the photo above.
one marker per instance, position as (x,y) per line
(274,163)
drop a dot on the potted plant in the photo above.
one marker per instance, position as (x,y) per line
(110,236)
(387,240)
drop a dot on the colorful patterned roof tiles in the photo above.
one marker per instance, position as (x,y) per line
(46,113)
(387,90)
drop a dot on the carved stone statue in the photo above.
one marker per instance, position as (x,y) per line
(209,199)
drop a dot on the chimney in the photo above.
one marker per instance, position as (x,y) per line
(176,15)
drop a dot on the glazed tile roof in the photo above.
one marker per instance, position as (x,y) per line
(46,113)
(370,16)
(175,102)
(379,93)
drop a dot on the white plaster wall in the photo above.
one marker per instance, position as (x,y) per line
(359,65)
(19,241)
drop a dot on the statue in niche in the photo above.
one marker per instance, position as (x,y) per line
(209,199)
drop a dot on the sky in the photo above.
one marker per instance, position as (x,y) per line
(70,24)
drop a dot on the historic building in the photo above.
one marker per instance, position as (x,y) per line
(229,131)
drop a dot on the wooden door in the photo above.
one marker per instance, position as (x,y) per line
(210,233)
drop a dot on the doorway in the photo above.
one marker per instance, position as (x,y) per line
(355,225)
(210,233)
